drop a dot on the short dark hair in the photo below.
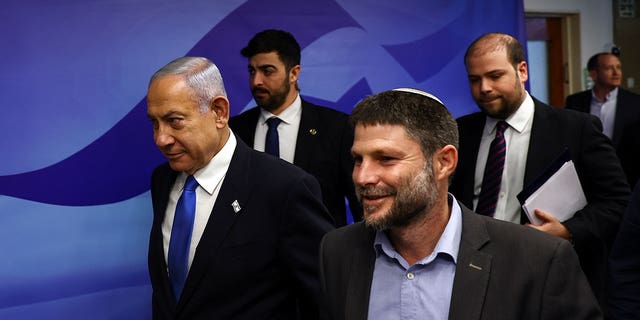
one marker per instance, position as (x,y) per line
(515,52)
(592,64)
(272,40)
(425,119)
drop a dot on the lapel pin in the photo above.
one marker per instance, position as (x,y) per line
(313,132)
(474,266)
(236,206)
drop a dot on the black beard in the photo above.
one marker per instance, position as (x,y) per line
(274,100)
(414,197)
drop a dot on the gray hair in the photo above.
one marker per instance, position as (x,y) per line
(200,74)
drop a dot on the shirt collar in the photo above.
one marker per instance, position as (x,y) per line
(287,116)
(212,174)
(612,95)
(448,244)
(518,120)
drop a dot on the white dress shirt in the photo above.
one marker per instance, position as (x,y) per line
(209,181)
(517,136)
(605,110)
(287,129)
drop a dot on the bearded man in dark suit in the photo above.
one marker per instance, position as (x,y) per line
(537,134)
(420,254)
(314,138)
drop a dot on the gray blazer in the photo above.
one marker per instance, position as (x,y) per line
(504,271)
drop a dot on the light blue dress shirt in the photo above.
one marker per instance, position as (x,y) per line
(420,291)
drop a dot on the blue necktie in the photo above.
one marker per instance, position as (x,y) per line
(181,236)
(271,145)
(492,179)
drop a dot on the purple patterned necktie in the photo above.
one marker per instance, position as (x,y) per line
(492,179)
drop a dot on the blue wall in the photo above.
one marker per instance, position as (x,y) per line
(76,146)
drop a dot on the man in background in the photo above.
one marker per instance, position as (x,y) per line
(235,232)
(419,254)
(316,139)
(515,138)
(617,108)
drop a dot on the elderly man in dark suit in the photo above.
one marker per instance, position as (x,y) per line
(535,135)
(235,232)
(617,108)
(314,138)
(419,254)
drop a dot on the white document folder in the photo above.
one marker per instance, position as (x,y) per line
(561,195)
(557,191)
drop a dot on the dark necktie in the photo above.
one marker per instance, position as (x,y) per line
(181,236)
(271,145)
(492,178)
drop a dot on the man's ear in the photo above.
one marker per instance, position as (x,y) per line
(445,161)
(523,71)
(220,105)
(294,73)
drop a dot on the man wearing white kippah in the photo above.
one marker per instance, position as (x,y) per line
(419,254)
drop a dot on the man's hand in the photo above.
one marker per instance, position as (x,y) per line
(550,225)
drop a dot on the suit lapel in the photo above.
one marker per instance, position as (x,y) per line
(236,187)
(245,126)
(307,133)
(360,277)
(470,136)
(585,104)
(540,154)
(622,116)
(472,270)
(544,147)
(156,244)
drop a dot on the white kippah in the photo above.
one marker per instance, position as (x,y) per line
(420,92)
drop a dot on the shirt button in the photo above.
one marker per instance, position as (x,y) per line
(410,276)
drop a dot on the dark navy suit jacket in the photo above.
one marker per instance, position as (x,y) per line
(626,128)
(258,263)
(323,149)
(594,227)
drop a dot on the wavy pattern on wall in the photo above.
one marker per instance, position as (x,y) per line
(78,149)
